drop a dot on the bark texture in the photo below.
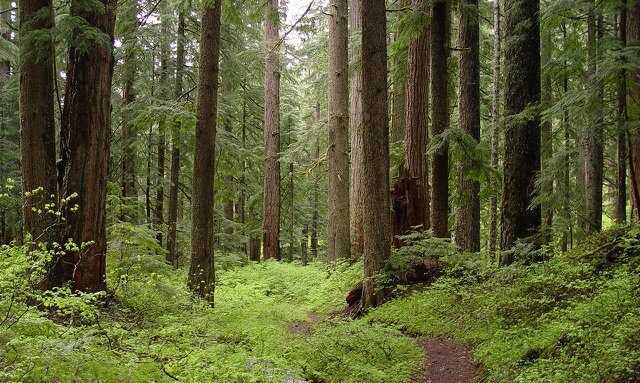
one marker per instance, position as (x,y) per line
(129,12)
(546,129)
(416,133)
(468,213)
(375,149)
(355,128)
(621,184)
(440,117)
(201,272)
(172,216)
(37,133)
(339,240)
(522,134)
(633,37)
(594,135)
(271,194)
(85,148)
(496,121)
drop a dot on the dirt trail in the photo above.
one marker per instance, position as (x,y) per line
(446,362)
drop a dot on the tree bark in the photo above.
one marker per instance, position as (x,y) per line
(633,39)
(374,177)
(202,271)
(339,244)
(271,196)
(129,68)
(85,148)
(400,62)
(315,214)
(621,189)
(172,219)
(468,214)
(37,133)
(440,20)
(546,130)
(355,127)
(594,136)
(496,121)
(522,135)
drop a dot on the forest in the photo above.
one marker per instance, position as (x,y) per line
(320,191)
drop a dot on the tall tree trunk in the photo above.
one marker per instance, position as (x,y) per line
(621,189)
(417,133)
(375,149)
(202,271)
(271,196)
(546,129)
(243,177)
(522,136)
(633,39)
(292,213)
(37,133)
(440,20)
(227,207)
(172,218)
(594,136)
(567,235)
(355,127)
(129,68)
(147,189)
(165,94)
(400,62)
(303,245)
(339,241)
(315,214)
(85,147)
(5,33)
(468,214)
(496,121)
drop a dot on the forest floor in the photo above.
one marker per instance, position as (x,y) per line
(570,317)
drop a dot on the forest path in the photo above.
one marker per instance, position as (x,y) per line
(446,361)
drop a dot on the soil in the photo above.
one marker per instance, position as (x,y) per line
(446,362)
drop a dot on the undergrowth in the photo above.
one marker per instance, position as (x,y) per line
(570,317)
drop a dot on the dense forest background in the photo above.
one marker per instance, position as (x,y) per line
(189,190)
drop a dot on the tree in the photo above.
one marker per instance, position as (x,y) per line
(202,272)
(355,127)
(339,240)
(172,216)
(417,135)
(440,118)
(85,148)
(594,134)
(400,64)
(621,185)
(522,135)
(495,119)
(129,12)
(271,194)
(37,138)
(468,214)
(633,40)
(374,164)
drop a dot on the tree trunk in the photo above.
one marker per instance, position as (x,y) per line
(496,122)
(202,271)
(129,68)
(416,133)
(228,203)
(5,33)
(440,20)
(85,147)
(339,241)
(37,133)
(355,127)
(147,189)
(400,62)
(172,243)
(165,94)
(303,245)
(621,190)
(633,36)
(315,215)
(468,214)
(271,197)
(374,164)
(546,130)
(567,236)
(522,136)
(594,135)
(243,177)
